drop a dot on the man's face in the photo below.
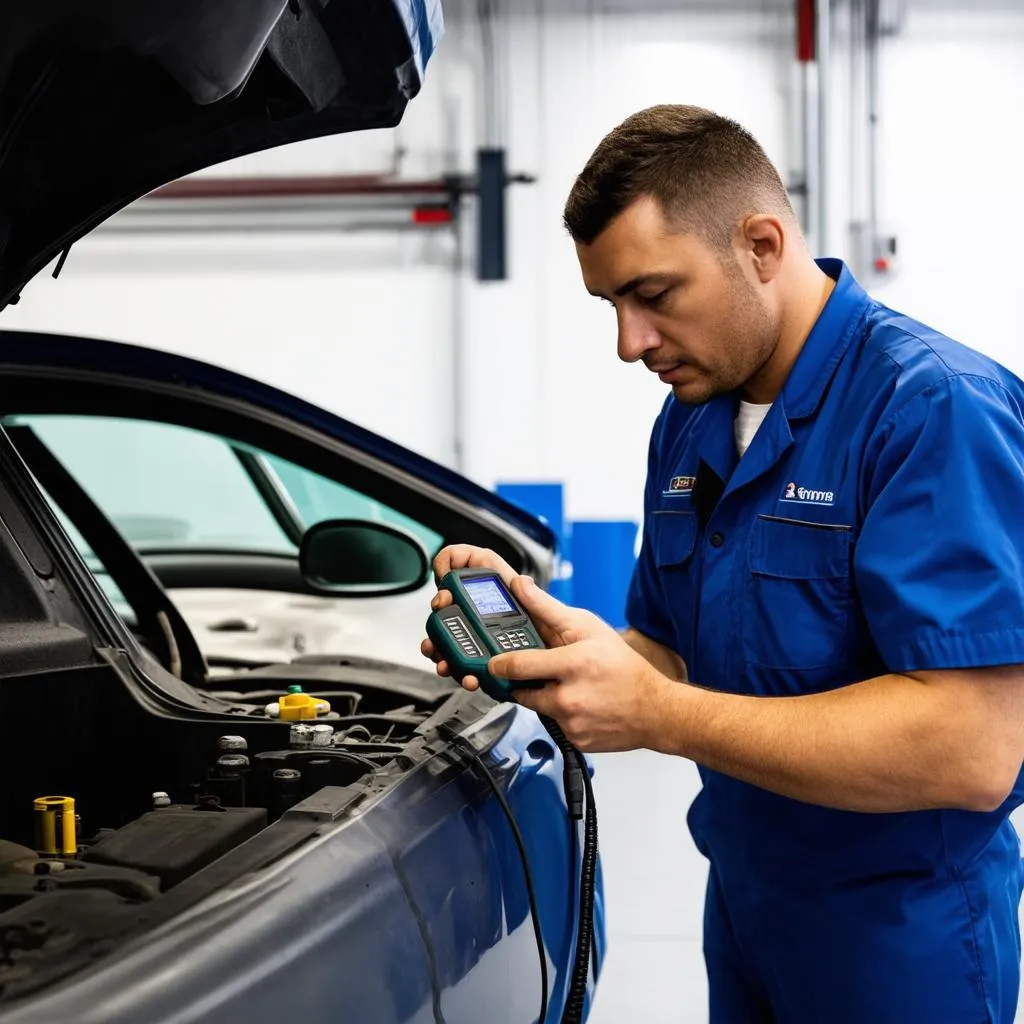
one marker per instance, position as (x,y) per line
(686,310)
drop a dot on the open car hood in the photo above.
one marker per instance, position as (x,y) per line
(102,101)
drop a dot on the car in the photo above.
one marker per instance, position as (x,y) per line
(234,791)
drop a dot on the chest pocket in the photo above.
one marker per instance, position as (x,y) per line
(673,534)
(799,596)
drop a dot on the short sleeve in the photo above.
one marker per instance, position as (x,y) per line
(939,563)
(646,602)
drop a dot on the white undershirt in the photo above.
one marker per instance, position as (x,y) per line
(748,419)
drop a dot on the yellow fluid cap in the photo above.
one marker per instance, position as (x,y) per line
(56,826)
(297,707)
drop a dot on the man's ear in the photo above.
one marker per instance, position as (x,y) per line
(761,238)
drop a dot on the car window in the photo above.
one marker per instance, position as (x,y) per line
(316,498)
(94,563)
(169,487)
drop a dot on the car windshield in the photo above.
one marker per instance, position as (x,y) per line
(172,488)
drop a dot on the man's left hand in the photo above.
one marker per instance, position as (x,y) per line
(603,694)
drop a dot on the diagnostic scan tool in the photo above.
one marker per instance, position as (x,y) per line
(483,620)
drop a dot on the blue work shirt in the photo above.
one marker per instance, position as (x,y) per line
(875,524)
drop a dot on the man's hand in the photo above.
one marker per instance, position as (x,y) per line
(603,694)
(461,556)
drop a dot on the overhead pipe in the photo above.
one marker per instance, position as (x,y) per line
(813,50)
(882,250)
(298,203)
(491,173)
(291,186)
(823,49)
(805,183)
(858,142)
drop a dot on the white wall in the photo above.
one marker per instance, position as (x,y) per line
(950,135)
(363,324)
(359,326)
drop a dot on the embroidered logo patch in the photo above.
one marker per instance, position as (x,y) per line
(807,495)
(680,485)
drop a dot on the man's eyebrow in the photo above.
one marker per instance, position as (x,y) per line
(642,279)
(638,282)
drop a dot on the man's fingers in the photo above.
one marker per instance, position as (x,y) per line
(441,599)
(551,663)
(541,700)
(466,556)
(428,650)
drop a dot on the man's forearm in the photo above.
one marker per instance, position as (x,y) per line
(666,661)
(893,743)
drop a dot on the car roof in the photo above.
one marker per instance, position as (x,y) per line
(80,357)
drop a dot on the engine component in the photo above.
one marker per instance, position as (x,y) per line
(318,773)
(323,735)
(300,736)
(55,826)
(177,841)
(296,706)
(232,762)
(286,790)
(232,745)
(60,876)
(227,780)
(354,734)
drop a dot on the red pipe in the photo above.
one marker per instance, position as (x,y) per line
(304,185)
(805,31)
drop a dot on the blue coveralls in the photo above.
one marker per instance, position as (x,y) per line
(875,524)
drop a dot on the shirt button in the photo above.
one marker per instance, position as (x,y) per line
(717,540)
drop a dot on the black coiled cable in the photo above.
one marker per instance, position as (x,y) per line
(578,792)
(578,788)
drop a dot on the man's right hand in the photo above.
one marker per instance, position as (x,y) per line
(461,556)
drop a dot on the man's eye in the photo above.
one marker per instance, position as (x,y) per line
(653,300)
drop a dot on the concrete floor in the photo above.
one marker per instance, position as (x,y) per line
(654,880)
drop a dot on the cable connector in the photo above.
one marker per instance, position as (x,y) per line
(575,792)
(572,771)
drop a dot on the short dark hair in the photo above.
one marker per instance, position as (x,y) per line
(705,171)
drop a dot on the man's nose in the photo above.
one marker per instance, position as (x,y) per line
(636,335)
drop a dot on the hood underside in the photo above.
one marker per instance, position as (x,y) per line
(101,101)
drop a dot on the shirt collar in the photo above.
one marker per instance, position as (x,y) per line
(826,344)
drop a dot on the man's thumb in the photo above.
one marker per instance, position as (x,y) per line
(546,611)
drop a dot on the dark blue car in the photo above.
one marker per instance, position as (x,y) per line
(233,792)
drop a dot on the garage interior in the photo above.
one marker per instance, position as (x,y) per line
(418,282)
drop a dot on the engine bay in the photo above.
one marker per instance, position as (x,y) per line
(119,812)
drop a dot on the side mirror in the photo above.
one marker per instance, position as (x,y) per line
(362,559)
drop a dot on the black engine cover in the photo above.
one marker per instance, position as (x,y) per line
(175,842)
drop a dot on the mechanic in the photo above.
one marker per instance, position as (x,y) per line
(832,552)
